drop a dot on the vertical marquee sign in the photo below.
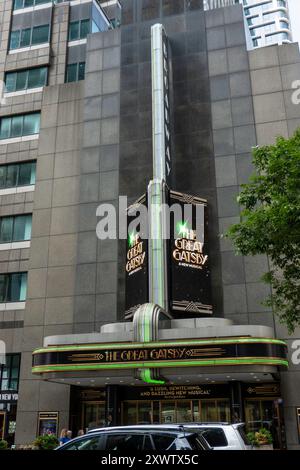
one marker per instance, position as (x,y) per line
(161,104)
(136,263)
(190,272)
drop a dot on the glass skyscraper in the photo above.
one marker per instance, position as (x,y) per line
(268,21)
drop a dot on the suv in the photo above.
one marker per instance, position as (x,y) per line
(138,439)
(222,436)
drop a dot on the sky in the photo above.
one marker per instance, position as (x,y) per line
(295,18)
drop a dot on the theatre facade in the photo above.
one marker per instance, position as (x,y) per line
(207,370)
(160,325)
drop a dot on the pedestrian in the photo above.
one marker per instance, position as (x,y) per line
(63,437)
(109,420)
(69,435)
(80,433)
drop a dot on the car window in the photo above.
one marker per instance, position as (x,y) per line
(148,443)
(215,437)
(88,443)
(124,442)
(242,433)
(197,442)
(164,442)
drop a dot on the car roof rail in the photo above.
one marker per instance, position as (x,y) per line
(223,423)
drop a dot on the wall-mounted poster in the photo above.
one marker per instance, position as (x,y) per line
(48,423)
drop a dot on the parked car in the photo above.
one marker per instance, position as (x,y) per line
(222,436)
(139,438)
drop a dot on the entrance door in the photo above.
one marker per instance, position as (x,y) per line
(259,414)
(264,414)
(215,411)
(2,424)
(93,415)
(168,412)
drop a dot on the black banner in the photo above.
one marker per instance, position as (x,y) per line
(190,272)
(9,396)
(136,263)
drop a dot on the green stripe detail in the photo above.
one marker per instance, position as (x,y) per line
(146,334)
(135,365)
(156,344)
(147,378)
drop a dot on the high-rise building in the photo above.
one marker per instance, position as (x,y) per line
(268,21)
(84,87)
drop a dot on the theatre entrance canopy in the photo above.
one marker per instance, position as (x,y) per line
(178,351)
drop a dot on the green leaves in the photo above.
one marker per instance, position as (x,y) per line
(270,223)
(46,442)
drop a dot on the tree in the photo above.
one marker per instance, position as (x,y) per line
(270,223)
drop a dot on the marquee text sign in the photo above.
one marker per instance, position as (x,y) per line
(155,355)
(176,392)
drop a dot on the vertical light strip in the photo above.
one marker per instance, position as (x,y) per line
(158,113)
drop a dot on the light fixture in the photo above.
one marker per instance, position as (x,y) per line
(228,377)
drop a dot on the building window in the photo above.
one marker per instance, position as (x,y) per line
(79,29)
(13,287)
(99,20)
(26,79)
(14,175)
(19,4)
(29,36)
(18,126)
(75,72)
(15,228)
(9,372)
